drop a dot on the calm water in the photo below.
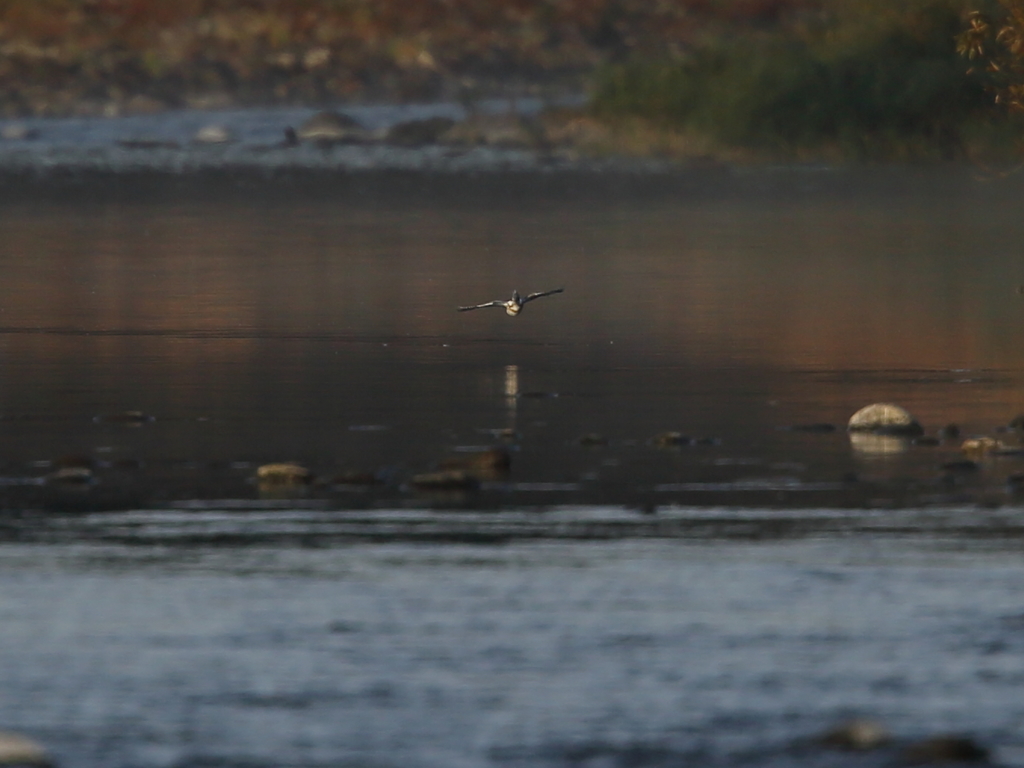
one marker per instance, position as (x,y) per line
(318,324)
(607,603)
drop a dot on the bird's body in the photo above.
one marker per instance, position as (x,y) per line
(514,305)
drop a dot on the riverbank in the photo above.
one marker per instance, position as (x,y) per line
(733,81)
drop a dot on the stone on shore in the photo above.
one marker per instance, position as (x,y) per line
(509,130)
(16,749)
(331,128)
(856,735)
(418,133)
(885,419)
(213,134)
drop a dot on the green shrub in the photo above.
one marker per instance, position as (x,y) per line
(869,77)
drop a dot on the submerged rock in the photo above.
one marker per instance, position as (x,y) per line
(949,432)
(283,474)
(16,749)
(944,749)
(593,440)
(487,464)
(856,735)
(446,480)
(670,440)
(815,428)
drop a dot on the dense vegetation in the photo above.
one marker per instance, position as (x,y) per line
(868,78)
(79,55)
(865,77)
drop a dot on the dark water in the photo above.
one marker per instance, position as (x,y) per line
(613,604)
(319,325)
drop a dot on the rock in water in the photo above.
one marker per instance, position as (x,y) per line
(885,419)
(979,447)
(285,473)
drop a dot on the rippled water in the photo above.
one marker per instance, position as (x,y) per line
(609,601)
(609,654)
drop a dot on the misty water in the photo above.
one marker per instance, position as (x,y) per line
(610,600)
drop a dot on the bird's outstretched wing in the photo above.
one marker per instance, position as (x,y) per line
(482,306)
(539,294)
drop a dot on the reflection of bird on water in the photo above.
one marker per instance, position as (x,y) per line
(514,305)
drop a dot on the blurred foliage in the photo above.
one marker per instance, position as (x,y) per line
(303,51)
(994,39)
(868,77)
(861,77)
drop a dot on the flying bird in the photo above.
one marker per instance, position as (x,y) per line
(514,305)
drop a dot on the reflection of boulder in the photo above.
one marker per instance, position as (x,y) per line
(331,128)
(416,133)
(885,419)
(496,131)
(871,444)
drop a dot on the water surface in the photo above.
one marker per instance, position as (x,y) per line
(609,602)
(317,323)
